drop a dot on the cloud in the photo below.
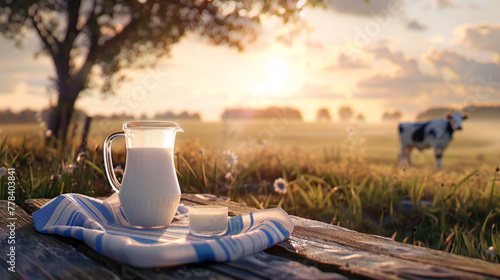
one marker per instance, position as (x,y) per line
(474,6)
(407,81)
(456,79)
(461,69)
(441,4)
(310,90)
(347,62)
(483,37)
(361,8)
(437,39)
(415,25)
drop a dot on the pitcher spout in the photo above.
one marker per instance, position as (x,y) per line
(177,127)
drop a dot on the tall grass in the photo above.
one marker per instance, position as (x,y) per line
(43,172)
(454,210)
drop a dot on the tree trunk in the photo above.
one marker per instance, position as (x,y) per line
(58,125)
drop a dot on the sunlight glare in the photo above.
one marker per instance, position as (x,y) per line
(274,78)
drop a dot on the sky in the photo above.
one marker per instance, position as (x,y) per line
(387,55)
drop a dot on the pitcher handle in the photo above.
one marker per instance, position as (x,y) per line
(108,159)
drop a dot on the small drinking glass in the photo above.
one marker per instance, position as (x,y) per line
(208,220)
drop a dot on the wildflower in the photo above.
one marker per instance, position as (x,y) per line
(492,251)
(230,158)
(3,171)
(202,152)
(70,168)
(229,176)
(48,133)
(80,157)
(280,186)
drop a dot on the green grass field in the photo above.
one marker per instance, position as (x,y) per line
(339,173)
(475,145)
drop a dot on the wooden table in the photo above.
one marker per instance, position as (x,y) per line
(315,250)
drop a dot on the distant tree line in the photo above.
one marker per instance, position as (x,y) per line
(346,113)
(25,116)
(391,116)
(267,113)
(485,112)
(30,116)
(167,115)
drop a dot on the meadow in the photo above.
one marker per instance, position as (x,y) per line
(346,174)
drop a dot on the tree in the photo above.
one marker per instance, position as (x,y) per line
(323,114)
(345,113)
(88,40)
(391,116)
(360,118)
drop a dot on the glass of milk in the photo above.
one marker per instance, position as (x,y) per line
(208,220)
(149,192)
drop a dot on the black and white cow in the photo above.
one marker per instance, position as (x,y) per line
(435,134)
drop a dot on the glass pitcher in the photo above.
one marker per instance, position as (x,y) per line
(149,192)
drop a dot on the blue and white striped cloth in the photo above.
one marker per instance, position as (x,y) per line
(102,226)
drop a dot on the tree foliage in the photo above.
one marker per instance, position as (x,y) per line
(89,41)
(345,113)
(323,114)
(392,116)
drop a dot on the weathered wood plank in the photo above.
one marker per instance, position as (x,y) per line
(369,255)
(333,249)
(380,257)
(39,256)
(235,208)
(258,266)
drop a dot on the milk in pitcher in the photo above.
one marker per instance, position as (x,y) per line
(150,170)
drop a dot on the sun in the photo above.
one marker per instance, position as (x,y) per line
(277,72)
(274,77)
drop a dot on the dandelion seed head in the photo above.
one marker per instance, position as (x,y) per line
(230,158)
(280,186)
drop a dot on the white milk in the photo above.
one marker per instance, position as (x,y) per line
(207,221)
(150,192)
